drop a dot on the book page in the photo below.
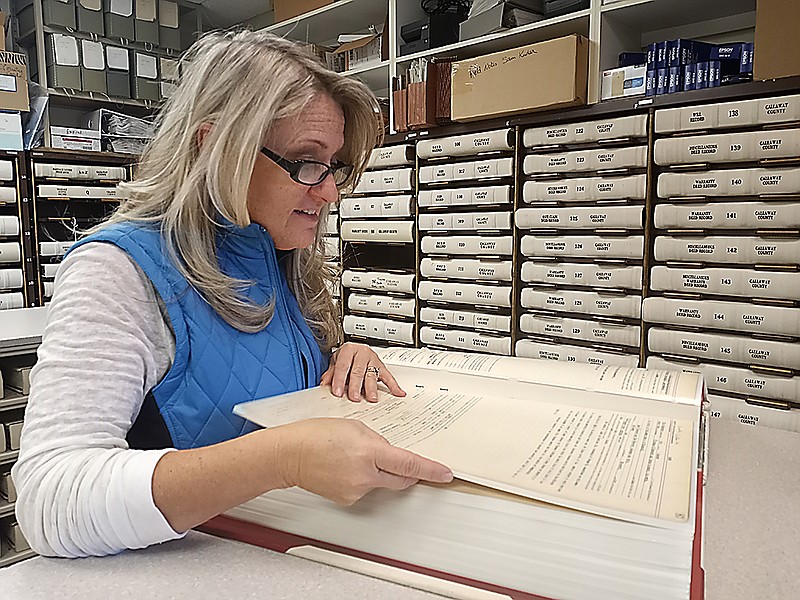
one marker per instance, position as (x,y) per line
(631,466)
(656,384)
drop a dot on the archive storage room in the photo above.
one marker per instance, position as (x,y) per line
(399,299)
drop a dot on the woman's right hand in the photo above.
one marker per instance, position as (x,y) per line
(343,460)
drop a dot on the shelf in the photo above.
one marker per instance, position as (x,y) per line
(8,457)
(326,23)
(93,100)
(376,77)
(696,19)
(10,557)
(6,508)
(576,22)
(12,400)
(43,152)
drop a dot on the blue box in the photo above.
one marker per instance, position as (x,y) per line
(674,81)
(650,83)
(701,75)
(714,73)
(651,56)
(631,59)
(689,77)
(746,59)
(661,55)
(662,79)
(727,51)
(685,52)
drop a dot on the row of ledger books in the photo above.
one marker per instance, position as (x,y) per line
(572,481)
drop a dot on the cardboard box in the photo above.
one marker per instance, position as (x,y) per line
(93,67)
(541,76)
(118,75)
(90,16)
(3,27)
(63,61)
(286,9)
(118,19)
(13,82)
(361,53)
(144,77)
(623,81)
(777,45)
(60,13)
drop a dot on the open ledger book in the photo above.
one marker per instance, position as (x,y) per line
(573,481)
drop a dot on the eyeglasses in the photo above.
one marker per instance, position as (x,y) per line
(310,172)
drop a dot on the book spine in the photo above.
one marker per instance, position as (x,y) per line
(475,245)
(381,329)
(689,77)
(623,217)
(716,314)
(723,249)
(592,303)
(585,160)
(651,79)
(466,269)
(714,73)
(466,145)
(634,126)
(465,340)
(465,221)
(378,280)
(460,318)
(391,156)
(583,329)
(662,55)
(563,352)
(674,81)
(586,274)
(662,81)
(746,283)
(726,348)
(392,180)
(388,305)
(728,215)
(384,231)
(10,300)
(628,247)
(484,295)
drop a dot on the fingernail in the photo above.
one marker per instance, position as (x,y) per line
(337,391)
(445,477)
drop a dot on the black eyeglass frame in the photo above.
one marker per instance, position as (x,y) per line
(293,168)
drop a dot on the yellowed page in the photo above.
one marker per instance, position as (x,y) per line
(616,463)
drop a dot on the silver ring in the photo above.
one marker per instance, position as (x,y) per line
(372,369)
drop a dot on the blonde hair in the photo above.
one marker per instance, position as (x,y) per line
(240,82)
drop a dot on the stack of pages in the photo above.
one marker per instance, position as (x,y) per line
(573,481)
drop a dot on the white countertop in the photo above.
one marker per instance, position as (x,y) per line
(752,546)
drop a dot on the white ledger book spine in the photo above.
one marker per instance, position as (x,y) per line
(10,300)
(391,156)
(465,221)
(728,147)
(62,171)
(634,157)
(462,318)
(750,415)
(385,305)
(716,314)
(728,249)
(6,170)
(736,380)
(381,329)
(466,145)
(78,191)
(378,231)
(582,217)
(487,194)
(739,182)
(563,352)
(746,283)
(8,195)
(9,226)
(628,247)
(376,207)
(463,171)
(728,215)
(386,180)
(634,126)
(727,348)
(582,329)
(10,252)
(465,340)
(467,269)
(477,245)
(585,274)
(590,303)
(11,279)
(465,293)
(49,270)
(586,189)
(739,113)
(379,280)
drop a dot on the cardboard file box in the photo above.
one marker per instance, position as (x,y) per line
(63,61)
(145,22)
(13,82)
(118,18)
(144,77)
(93,67)
(14,433)
(7,489)
(60,13)
(169,33)
(777,46)
(547,75)
(13,534)
(118,73)
(90,16)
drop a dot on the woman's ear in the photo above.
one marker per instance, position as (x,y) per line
(202,132)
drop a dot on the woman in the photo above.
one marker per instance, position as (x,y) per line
(205,289)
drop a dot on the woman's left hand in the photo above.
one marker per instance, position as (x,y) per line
(358,367)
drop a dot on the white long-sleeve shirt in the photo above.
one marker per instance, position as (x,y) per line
(81,490)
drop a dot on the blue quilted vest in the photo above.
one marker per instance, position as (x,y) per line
(217,366)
